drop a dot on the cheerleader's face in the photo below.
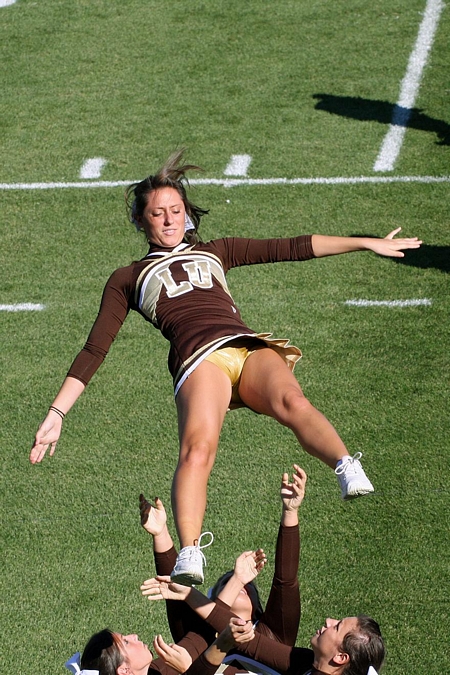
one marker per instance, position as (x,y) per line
(163,218)
(136,654)
(327,641)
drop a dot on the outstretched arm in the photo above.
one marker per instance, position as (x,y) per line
(113,311)
(282,612)
(50,430)
(162,588)
(324,245)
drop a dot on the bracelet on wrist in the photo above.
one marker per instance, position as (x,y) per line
(58,412)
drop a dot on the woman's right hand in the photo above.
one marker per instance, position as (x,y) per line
(292,493)
(47,435)
(173,655)
(248,565)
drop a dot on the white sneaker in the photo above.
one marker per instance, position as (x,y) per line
(352,479)
(188,569)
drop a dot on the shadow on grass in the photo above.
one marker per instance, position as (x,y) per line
(365,109)
(426,257)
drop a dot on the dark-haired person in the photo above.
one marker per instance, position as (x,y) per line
(216,360)
(110,653)
(236,589)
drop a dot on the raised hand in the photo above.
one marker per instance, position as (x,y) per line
(248,565)
(153,517)
(292,493)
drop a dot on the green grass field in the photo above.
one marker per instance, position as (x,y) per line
(307,90)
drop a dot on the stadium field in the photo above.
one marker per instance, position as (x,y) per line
(323,116)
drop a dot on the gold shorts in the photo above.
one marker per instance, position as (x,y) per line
(231,358)
(231,361)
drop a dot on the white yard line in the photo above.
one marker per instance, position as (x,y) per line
(238,165)
(92,168)
(22,307)
(393,140)
(414,302)
(236,182)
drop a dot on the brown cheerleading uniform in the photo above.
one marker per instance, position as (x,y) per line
(183,293)
(278,624)
(285,659)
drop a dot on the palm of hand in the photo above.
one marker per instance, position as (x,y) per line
(292,493)
(291,500)
(248,565)
(153,518)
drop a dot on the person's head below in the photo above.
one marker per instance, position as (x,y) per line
(247,605)
(115,654)
(159,206)
(349,646)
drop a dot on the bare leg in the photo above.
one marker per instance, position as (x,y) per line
(268,386)
(201,404)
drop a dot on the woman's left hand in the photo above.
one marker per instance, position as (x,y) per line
(175,656)
(153,517)
(393,247)
(162,588)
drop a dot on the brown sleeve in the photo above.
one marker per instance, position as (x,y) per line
(284,658)
(165,562)
(282,613)
(201,666)
(176,611)
(236,251)
(114,307)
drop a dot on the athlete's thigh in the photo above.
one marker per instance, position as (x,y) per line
(202,403)
(265,381)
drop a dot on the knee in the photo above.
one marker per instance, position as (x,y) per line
(199,455)
(294,404)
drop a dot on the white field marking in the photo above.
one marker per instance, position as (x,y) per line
(414,302)
(92,168)
(238,165)
(6,3)
(22,307)
(236,182)
(393,140)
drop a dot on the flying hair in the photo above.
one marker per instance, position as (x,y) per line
(172,174)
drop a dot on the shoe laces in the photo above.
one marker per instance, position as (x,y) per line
(193,551)
(348,465)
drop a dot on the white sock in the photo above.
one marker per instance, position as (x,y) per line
(343,460)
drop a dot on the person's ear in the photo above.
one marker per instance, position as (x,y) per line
(341,658)
(123,669)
